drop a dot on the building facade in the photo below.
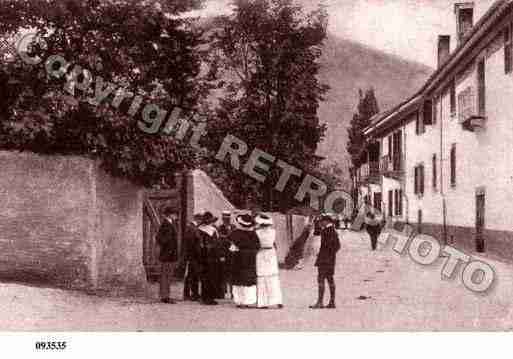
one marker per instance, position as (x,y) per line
(446,154)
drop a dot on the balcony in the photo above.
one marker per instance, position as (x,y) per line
(369,173)
(469,115)
(392,166)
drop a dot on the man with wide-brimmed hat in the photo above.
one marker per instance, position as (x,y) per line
(209,258)
(225,230)
(245,247)
(326,260)
(192,258)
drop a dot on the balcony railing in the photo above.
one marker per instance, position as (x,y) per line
(391,166)
(468,112)
(369,172)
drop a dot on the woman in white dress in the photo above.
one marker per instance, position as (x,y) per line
(268,280)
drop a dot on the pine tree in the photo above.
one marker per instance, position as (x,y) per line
(367,107)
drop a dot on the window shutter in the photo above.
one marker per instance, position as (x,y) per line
(453,165)
(400,202)
(453,97)
(417,124)
(390,203)
(481,80)
(435,179)
(422,179)
(434,112)
(428,113)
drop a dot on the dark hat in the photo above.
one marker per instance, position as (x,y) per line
(168,211)
(208,218)
(326,217)
(245,220)
(198,217)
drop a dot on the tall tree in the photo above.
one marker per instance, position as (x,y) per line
(367,107)
(266,56)
(142,46)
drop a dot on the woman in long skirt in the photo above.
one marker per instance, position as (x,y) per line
(268,280)
(245,246)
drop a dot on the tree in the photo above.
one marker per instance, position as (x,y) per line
(367,107)
(141,46)
(265,56)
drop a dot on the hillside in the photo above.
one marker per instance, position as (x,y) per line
(348,66)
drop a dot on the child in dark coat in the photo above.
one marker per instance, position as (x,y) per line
(326,260)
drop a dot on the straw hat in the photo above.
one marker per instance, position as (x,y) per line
(245,221)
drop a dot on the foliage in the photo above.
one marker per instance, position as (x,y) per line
(264,57)
(140,45)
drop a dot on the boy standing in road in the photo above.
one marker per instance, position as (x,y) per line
(326,260)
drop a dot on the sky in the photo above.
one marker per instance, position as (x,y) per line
(406,28)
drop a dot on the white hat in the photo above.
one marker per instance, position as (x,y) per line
(264,220)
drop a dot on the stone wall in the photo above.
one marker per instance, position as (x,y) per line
(45,229)
(65,222)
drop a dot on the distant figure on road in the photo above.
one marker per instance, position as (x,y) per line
(347,221)
(245,245)
(326,261)
(268,280)
(192,256)
(373,227)
(167,240)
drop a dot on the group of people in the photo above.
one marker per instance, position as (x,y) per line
(235,261)
(238,261)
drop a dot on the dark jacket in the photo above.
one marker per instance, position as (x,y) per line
(373,230)
(192,244)
(244,260)
(167,239)
(330,245)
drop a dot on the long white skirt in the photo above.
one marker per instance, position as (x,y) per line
(244,295)
(269,291)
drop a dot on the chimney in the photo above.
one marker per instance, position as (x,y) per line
(464,19)
(444,48)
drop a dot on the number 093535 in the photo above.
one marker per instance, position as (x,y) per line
(50,345)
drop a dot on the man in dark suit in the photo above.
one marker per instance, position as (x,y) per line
(167,239)
(192,249)
(326,260)
(225,230)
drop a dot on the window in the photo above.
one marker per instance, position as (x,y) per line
(481,87)
(453,166)
(507,50)
(390,203)
(434,112)
(421,167)
(419,221)
(435,175)
(396,151)
(428,112)
(398,202)
(419,180)
(390,146)
(453,97)
(419,125)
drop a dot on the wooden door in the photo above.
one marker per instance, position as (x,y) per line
(480,222)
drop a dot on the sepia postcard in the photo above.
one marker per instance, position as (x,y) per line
(255,166)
